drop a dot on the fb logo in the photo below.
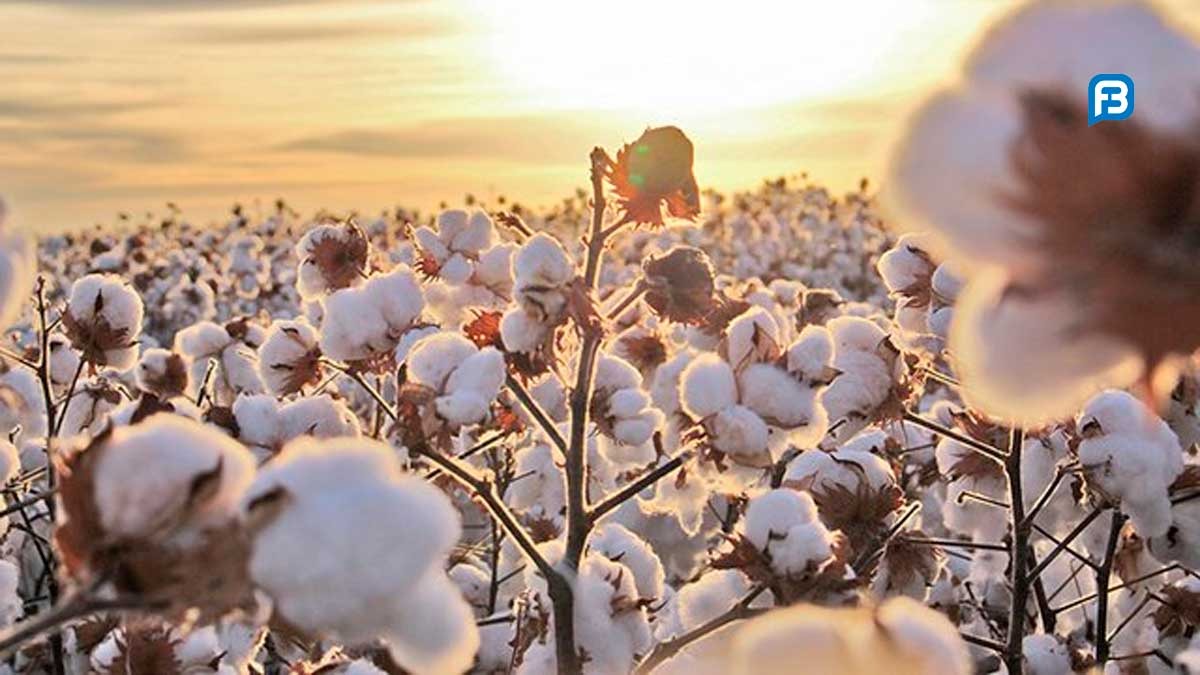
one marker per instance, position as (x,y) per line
(1110,97)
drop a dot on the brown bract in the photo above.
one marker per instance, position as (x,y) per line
(341,260)
(679,285)
(301,372)
(1119,211)
(654,170)
(172,381)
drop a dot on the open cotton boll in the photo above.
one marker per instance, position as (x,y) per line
(710,596)
(318,416)
(609,625)
(776,511)
(852,466)
(1046,655)
(542,261)
(751,337)
(900,636)
(1019,53)
(21,404)
(18,269)
(810,356)
(103,320)
(521,331)
(369,320)
(1129,454)
(289,358)
(707,386)
(162,373)
(665,389)
(258,422)
(11,605)
(1006,342)
(541,493)
(331,257)
(433,359)
(619,544)
(779,398)
(64,363)
(739,432)
(145,475)
(784,524)
(907,264)
(321,502)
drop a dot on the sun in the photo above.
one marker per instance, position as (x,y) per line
(653,55)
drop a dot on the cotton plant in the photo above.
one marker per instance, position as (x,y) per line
(1061,300)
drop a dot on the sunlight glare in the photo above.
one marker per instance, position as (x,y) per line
(681,53)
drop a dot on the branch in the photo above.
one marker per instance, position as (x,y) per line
(626,493)
(53,619)
(1102,581)
(666,650)
(1019,578)
(536,412)
(982,448)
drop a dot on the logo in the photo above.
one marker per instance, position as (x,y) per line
(1110,97)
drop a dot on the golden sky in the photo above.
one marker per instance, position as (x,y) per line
(123,105)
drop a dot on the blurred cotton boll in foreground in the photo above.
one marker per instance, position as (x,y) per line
(1079,237)
(18,267)
(901,637)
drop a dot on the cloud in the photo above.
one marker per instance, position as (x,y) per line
(547,138)
(235,34)
(33,109)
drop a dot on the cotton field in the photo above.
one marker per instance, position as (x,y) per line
(948,426)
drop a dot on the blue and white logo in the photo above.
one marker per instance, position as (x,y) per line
(1110,97)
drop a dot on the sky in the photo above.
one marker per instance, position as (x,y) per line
(111,106)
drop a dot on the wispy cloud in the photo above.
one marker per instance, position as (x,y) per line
(236,34)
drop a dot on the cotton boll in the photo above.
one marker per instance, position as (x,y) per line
(906,264)
(397,296)
(1046,655)
(11,605)
(289,356)
(777,397)
(751,336)
(783,523)
(541,493)
(21,404)
(318,416)
(900,636)
(64,363)
(619,544)
(521,331)
(542,261)
(1005,341)
(433,359)
(737,431)
(707,386)
(327,499)
(810,356)
(1130,455)
(138,487)
(258,421)
(103,320)
(709,597)
(1017,53)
